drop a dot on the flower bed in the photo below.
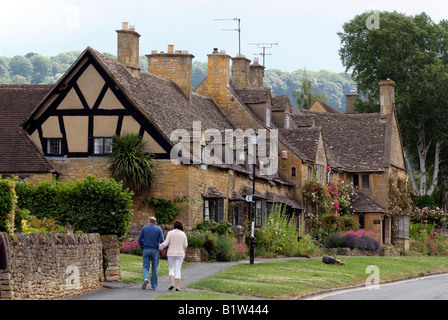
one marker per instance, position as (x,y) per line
(359,239)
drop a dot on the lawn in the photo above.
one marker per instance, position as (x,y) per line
(295,278)
(290,278)
(131,268)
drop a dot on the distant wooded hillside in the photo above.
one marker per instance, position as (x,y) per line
(36,69)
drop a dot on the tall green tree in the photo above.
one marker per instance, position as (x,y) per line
(306,96)
(412,51)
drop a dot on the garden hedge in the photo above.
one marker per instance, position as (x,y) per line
(90,205)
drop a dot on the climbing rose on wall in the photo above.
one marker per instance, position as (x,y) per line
(329,206)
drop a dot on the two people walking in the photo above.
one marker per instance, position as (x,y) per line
(151,240)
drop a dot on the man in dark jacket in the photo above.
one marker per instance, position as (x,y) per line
(3,256)
(149,239)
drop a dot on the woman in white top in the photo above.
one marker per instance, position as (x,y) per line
(176,241)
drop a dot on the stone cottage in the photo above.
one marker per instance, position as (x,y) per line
(66,130)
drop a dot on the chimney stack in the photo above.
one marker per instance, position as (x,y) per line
(128,48)
(350,101)
(256,74)
(218,75)
(387,96)
(241,72)
(173,65)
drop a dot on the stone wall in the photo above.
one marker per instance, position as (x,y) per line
(51,266)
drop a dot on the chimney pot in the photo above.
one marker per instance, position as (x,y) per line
(128,48)
(170,49)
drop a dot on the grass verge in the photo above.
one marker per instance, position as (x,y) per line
(295,278)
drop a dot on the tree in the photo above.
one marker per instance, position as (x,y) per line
(412,51)
(306,96)
(21,66)
(130,164)
(42,68)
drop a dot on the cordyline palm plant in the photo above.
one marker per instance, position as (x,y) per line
(130,164)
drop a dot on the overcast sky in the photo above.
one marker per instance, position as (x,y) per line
(305,31)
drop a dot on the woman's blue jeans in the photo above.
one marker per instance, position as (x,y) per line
(151,257)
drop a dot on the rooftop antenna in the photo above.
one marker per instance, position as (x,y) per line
(239,32)
(264,46)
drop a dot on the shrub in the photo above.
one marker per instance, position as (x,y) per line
(90,205)
(308,247)
(224,249)
(210,244)
(7,205)
(131,247)
(415,229)
(195,240)
(429,244)
(239,250)
(221,228)
(280,233)
(436,217)
(130,164)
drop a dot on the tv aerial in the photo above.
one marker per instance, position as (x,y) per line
(238,29)
(264,46)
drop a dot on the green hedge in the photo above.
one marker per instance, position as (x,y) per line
(7,205)
(90,205)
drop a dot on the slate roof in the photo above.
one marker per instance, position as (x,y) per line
(17,153)
(163,101)
(280,102)
(254,95)
(303,142)
(353,142)
(363,203)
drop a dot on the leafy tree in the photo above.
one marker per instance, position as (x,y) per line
(42,68)
(129,163)
(4,67)
(412,51)
(21,66)
(306,96)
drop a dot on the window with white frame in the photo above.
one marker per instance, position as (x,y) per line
(102,145)
(54,146)
(402,226)
(214,209)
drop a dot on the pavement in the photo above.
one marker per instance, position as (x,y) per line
(193,272)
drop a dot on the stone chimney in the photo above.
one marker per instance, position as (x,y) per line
(128,48)
(387,96)
(256,74)
(218,75)
(173,65)
(241,72)
(350,101)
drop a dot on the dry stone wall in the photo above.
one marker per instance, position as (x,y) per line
(51,266)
